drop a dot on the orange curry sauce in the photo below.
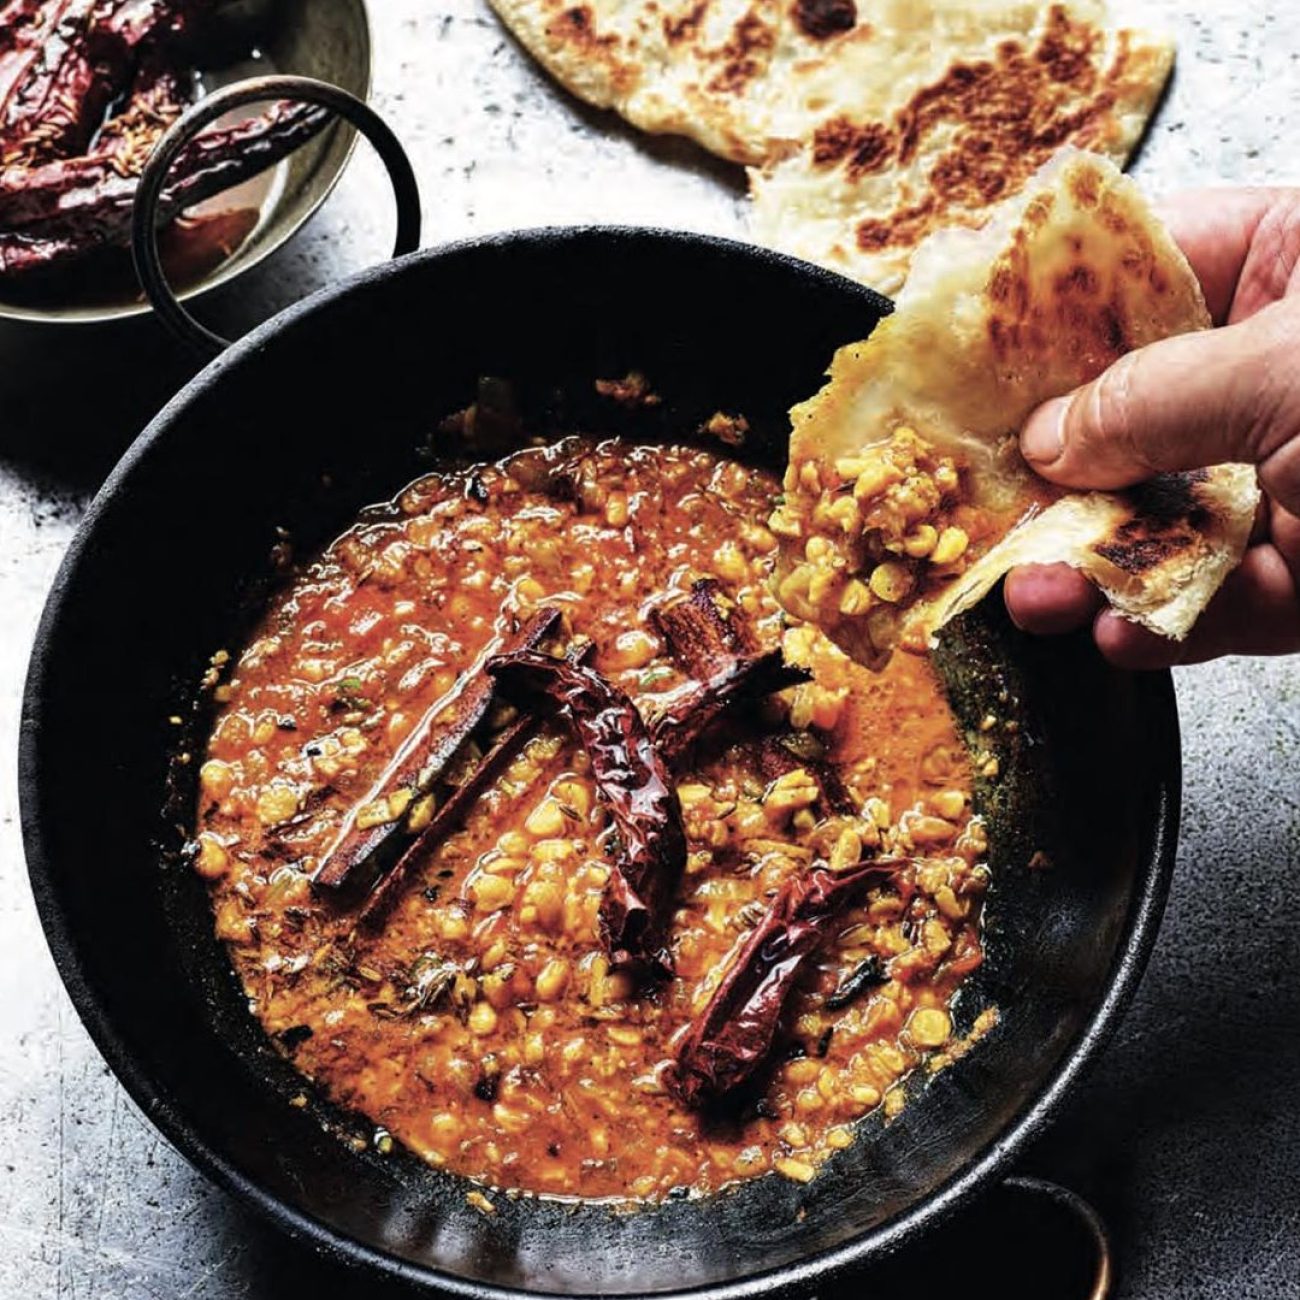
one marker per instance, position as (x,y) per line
(482,1026)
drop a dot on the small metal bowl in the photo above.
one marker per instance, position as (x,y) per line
(324,39)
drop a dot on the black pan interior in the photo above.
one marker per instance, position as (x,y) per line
(332,408)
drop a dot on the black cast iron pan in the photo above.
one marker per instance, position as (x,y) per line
(331,406)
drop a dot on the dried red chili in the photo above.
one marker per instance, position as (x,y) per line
(22,23)
(73,206)
(78,62)
(633,782)
(733,1035)
(67,176)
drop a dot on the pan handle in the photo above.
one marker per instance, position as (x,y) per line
(145,217)
(1087,1218)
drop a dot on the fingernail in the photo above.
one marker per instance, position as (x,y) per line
(1042,440)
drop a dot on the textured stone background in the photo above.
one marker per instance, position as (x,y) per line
(1186,1137)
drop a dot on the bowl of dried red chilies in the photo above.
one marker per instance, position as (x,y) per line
(87,90)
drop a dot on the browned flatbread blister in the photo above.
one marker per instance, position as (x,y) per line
(907,498)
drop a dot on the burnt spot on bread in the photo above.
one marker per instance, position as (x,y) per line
(861,149)
(1085,188)
(1079,280)
(1001,283)
(1141,263)
(1038,213)
(1173,496)
(821,19)
(1138,548)
(1170,520)
(744,55)
(987,125)
(1110,328)
(1137,554)
(906,226)
(683,26)
(1112,216)
(1077,304)
(965,176)
(1010,291)
(1066,49)
(575,26)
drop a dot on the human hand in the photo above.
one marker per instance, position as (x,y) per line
(1227,394)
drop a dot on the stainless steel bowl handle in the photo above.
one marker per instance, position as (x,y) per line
(1087,1217)
(145,218)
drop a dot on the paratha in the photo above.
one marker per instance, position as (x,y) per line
(959,123)
(868,122)
(906,497)
(707,69)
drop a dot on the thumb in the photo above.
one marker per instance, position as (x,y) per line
(1230,394)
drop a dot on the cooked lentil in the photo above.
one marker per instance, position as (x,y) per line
(871,534)
(482,1026)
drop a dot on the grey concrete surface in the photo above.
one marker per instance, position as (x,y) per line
(1186,1137)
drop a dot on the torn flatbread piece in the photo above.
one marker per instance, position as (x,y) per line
(906,497)
(944,129)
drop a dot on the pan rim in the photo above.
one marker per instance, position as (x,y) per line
(1154,694)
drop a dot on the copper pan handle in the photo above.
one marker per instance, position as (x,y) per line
(146,218)
(1085,1216)
(1043,1241)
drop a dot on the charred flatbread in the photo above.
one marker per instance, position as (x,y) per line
(867,123)
(707,69)
(906,495)
(958,124)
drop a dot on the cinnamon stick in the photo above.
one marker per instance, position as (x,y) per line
(451,814)
(420,763)
(718,648)
(447,820)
